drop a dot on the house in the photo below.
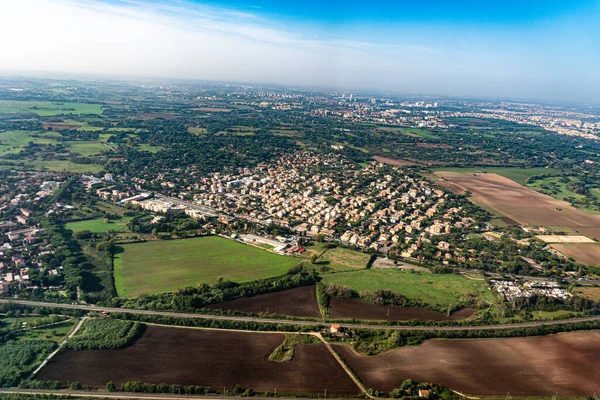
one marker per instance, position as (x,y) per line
(424,393)
(335,328)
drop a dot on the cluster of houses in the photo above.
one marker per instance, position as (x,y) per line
(511,290)
(373,206)
(22,242)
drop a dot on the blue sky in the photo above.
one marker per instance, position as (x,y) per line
(548,50)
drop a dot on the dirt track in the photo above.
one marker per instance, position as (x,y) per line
(567,364)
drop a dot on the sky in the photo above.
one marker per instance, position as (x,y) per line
(526,49)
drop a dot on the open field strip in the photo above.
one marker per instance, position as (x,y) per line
(565,239)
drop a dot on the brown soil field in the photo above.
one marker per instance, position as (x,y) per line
(298,302)
(208,358)
(517,202)
(509,221)
(567,364)
(341,308)
(434,145)
(158,115)
(591,232)
(584,253)
(59,126)
(392,161)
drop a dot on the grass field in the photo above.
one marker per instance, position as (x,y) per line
(63,165)
(420,132)
(98,225)
(196,130)
(55,333)
(519,175)
(339,258)
(149,147)
(86,147)
(46,108)
(13,141)
(432,289)
(164,266)
(589,292)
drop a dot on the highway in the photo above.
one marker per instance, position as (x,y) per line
(92,308)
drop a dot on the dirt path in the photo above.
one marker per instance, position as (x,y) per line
(342,363)
(60,346)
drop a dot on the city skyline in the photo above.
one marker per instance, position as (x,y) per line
(517,50)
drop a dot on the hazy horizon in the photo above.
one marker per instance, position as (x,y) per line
(531,50)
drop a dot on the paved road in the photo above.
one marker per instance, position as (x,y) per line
(302,323)
(126,395)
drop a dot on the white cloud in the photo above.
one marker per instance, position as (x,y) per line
(184,40)
(179,40)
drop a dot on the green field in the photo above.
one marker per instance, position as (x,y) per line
(86,147)
(165,266)
(433,289)
(519,175)
(98,225)
(46,108)
(420,132)
(13,141)
(64,165)
(55,333)
(149,147)
(339,258)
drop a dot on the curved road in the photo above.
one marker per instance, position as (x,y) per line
(302,323)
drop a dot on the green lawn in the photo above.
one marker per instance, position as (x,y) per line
(339,258)
(86,147)
(164,266)
(519,175)
(98,225)
(13,141)
(46,108)
(420,132)
(64,165)
(55,333)
(149,147)
(556,189)
(433,289)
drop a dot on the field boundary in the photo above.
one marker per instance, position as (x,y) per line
(60,346)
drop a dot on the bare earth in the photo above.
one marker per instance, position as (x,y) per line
(393,161)
(342,308)
(584,253)
(298,302)
(207,358)
(565,239)
(517,202)
(567,364)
